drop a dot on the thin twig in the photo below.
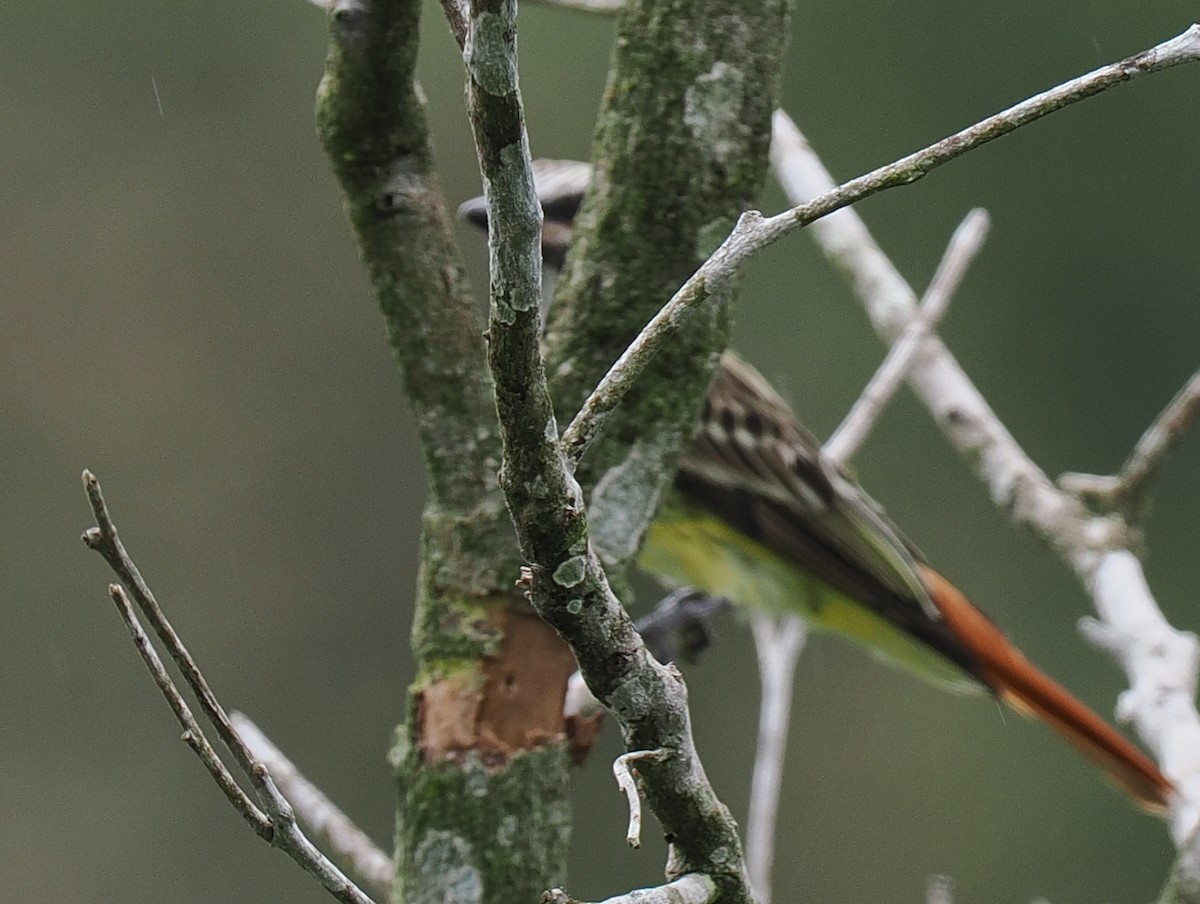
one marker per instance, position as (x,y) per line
(104,540)
(1160,662)
(330,827)
(606,7)
(779,644)
(272,818)
(964,245)
(1127,488)
(193,734)
(754,232)
(692,888)
(628,785)
(1161,437)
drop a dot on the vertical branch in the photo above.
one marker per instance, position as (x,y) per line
(481,750)
(565,579)
(779,643)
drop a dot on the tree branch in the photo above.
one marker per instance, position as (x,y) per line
(332,829)
(1159,439)
(754,232)
(965,244)
(607,7)
(1127,488)
(271,818)
(104,539)
(690,889)
(193,734)
(565,580)
(1159,662)
(779,643)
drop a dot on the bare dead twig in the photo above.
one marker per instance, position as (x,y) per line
(1127,488)
(1161,437)
(330,827)
(607,7)
(1160,662)
(627,782)
(779,643)
(692,888)
(193,734)
(965,244)
(271,817)
(104,540)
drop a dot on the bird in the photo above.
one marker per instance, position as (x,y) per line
(761,515)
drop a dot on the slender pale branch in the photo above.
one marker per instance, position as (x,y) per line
(272,817)
(193,734)
(607,7)
(1126,489)
(623,772)
(693,888)
(965,244)
(754,232)
(331,828)
(1159,662)
(779,644)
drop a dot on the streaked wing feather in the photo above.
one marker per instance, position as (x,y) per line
(754,465)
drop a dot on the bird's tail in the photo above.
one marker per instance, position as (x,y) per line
(1016,681)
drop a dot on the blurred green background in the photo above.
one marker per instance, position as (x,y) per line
(182,310)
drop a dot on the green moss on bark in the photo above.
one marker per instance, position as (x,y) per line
(680,151)
(471,825)
(470,831)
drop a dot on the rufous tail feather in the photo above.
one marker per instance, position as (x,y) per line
(1016,681)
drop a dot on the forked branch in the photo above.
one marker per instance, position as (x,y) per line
(1126,489)
(755,232)
(566,582)
(1159,661)
(269,813)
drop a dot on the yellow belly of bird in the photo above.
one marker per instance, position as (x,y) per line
(687,546)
